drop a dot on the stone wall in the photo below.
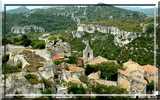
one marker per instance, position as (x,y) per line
(121,37)
(26,29)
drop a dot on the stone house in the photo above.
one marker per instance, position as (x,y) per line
(131,77)
(57,57)
(72,71)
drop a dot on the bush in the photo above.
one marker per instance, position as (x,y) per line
(47,91)
(7,68)
(90,69)
(33,79)
(5,41)
(103,89)
(5,58)
(83,79)
(109,71)
(25,41)
(72,60)
(150,28)
(38,44)
(76,89)
(57,62)
(18,40)
(150,87)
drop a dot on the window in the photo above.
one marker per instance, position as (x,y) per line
(88,55)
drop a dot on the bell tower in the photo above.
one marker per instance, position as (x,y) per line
(87,53)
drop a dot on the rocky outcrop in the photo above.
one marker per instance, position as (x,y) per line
(16,82)
(121,37)
(30,58)
(26,29)
(60,47)
(132,77)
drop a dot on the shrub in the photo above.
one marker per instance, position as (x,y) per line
(109,71)
(5,41)
(103,89)
(90,69)
(5,58)
(83,79)
(33,79)
(47,91)
(38,44)
(7,68)
(76,89)
(57,62)
(150,87)
(25,41)
(72,60)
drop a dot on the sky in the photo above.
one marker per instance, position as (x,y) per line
(75,2)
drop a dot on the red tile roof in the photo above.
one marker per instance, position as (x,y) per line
(57,57)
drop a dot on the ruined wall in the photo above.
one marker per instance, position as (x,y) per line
(121,37)
(26,29)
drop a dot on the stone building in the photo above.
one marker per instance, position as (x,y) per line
(87,53)
(131,77)
(72,71)
(151,73)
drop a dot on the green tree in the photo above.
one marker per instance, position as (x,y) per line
(90,69)
(109,71)
(25,41)
(150,28)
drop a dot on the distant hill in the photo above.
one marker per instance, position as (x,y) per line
(60,18)
(149,11)
(62,21)
(146,11)
(19,10)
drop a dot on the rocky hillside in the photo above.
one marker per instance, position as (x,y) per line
(58,18)
(113,33)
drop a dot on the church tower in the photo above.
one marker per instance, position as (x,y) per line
(87,53)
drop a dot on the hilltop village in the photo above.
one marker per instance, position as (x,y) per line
(78,50)
(54,69)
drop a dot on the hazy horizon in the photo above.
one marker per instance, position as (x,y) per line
(35,7)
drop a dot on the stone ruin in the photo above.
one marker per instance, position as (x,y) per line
(26,29)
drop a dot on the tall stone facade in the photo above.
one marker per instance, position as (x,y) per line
(87,53)
(132,77)
(121,37)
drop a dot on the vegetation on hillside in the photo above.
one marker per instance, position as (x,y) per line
(38,44)
(109,71)
(8,68)
(31,78)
